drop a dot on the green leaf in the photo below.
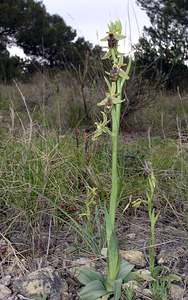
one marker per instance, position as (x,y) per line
(113,257)
(109,285)
(117,292)
(93,291)
(109,227)
(171,278)
(158,269)
(125,269)
(128,278)
(86,275)
(142,277)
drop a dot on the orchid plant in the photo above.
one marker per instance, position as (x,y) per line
(118,271)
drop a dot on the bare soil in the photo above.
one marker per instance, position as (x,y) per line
(21,253)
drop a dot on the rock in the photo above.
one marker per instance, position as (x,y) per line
(5,292)
(133,285)
(131,236)
(145,275)
(134,257)
(176,292)
(163,257)
(83,261)
(45,281)
(5,280)
(167,256)
(104,252)
(147,293)
(138,289)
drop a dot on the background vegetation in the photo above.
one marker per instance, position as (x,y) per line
(48,108)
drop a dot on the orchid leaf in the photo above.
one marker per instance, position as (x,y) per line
(142,277)
(158,269)
(125,269)
(117,289)
(86,275)
(172,277)
(109,227)
(93,290)
(113,257)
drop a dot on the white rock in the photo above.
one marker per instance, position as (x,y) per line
(5,292)
(5,280)
(131,236)
(104,252)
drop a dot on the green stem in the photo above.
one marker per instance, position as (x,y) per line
(115,133)
(152,249)
(114,190)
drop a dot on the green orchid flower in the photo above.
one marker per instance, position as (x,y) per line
(101,127)
(117,70)
(114,35)
(114,31)
(111,97)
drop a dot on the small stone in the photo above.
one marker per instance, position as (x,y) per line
(133,285)
(145,275)
(83,261)
(131,236)
(138,289)
(5,292)
(104,252)
(45,281)
(65,296)
(134,257)
(176,292)
(5,280)
(147,293)
(163,257)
